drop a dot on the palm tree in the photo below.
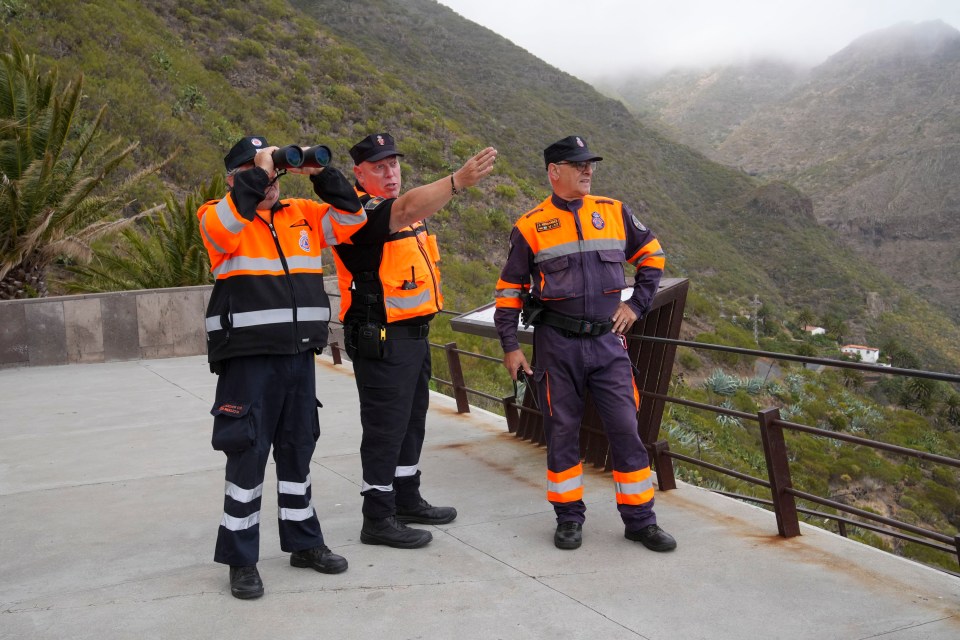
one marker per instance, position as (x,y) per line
(836,327)
(166,252)
(54,194)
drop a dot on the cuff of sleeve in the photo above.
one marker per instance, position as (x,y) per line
(637,309)
(332,186)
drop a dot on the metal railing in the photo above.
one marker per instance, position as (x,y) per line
(779,481)
(784,495)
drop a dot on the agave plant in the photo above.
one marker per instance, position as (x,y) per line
(722,384)
(753,386)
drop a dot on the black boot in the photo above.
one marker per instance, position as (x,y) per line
(569,535)
(653,538)
(426,513)
(319,559)
(245,582)
(389,532)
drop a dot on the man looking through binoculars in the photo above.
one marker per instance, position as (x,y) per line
(267,317)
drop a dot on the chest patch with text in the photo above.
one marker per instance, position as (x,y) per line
(548,225)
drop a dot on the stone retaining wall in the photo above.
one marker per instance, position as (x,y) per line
(103,327)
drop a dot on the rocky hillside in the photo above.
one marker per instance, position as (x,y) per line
(872,135)
(191,77)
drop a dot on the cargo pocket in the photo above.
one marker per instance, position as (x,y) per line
(233,427)
(543,382)
(316,421)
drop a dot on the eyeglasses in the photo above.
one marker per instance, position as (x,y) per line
(581,166)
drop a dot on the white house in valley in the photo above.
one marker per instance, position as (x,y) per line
(868,355)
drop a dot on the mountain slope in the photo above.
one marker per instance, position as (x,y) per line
(197,75)
(872,135)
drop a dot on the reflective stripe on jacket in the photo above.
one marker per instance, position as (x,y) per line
(268,297)
(407,282)
(573,262)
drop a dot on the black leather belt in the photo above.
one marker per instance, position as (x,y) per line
(403,332)
(573,326)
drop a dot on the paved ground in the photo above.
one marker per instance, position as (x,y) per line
(110,497)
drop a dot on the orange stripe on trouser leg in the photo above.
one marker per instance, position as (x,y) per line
(634,487)
(565,486)
(636,394)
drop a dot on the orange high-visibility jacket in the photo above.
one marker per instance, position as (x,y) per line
(574,263)
(268,297)
(406,284)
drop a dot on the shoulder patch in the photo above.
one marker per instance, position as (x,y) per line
(637,223)
(373,203)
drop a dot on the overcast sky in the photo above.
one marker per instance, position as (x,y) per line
(589,38)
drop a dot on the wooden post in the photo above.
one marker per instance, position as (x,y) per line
(778,470)
(456,377)
(663,465)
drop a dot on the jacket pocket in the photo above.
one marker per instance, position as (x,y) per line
(611,269)
(234,430)
(558,278)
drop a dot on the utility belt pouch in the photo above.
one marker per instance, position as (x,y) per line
(370,339)
(532,308)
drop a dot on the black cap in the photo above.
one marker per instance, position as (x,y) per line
(244,151)
(375,146)
(571,148)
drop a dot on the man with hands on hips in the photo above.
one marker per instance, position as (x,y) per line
(564,271)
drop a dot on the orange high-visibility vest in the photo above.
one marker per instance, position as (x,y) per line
(407,282)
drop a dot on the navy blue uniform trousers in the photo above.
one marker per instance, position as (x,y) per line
(394,397)
(564,368)
(263,402)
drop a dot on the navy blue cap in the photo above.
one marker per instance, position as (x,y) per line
(244,151)
(571,149)
(375,146)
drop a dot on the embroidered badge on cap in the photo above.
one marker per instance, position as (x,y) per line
(637,223)
(597,221)
(549,224)
(304,241)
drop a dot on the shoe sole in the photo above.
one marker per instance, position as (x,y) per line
(658,549)
(560,544)
(419,520)
(366,538)
(251,595)
(306,564)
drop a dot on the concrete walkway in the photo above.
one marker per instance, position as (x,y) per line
(110,497)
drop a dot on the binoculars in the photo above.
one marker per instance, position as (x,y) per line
(293,156)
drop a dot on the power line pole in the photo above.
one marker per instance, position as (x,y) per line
(756,309)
